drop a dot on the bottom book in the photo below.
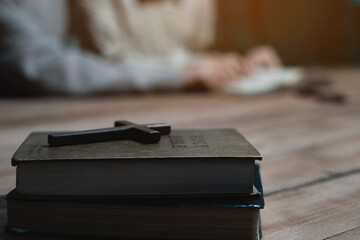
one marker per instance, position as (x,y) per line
(235,217)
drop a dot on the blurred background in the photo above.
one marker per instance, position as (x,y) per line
(161,44)
(303,32)
(81,47)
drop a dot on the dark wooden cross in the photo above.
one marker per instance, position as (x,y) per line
(147,133)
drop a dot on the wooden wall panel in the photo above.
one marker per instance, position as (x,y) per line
(303,31)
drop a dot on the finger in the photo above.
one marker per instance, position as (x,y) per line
(228,70)
(233,68)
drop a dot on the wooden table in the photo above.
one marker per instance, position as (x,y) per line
(311,166)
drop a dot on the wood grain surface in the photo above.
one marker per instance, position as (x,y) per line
(310,167)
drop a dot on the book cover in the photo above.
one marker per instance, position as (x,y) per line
(181,143)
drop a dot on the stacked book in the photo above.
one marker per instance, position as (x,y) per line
(193,184)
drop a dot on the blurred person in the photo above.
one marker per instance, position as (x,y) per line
(36,54)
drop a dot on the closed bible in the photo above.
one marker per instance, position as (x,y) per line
(205,218)
(185,162)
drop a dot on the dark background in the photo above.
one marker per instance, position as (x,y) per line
(305,32)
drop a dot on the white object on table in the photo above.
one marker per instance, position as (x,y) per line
(264,81)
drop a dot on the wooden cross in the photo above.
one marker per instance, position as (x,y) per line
(148,133)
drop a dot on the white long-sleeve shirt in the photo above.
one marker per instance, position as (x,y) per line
(33,54)
(172,32)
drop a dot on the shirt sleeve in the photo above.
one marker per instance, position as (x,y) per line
(44,59)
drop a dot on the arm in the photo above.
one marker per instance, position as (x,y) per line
(45,60)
